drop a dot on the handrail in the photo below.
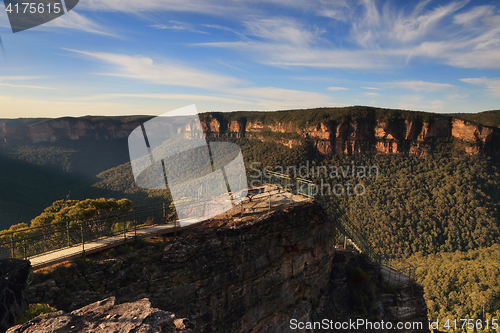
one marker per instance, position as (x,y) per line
(73,232)
(342,223)
(136,210)
(27,242)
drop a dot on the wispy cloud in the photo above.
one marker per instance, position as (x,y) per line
(179,26)
(379,34)
(21,78)
(186,97)
(337,88)
(474,15)
(421,85)
(161,71)
(166,72)
(457,97)
(282,30)
(416,102)
(384,36)
(371,88)
(194,6)
(492,85)
(23,86)
(419,24)
(73,20)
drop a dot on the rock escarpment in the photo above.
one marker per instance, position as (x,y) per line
(396,136)
(404,132)
(66,128)
(13,290)
(235,276)
(107,317)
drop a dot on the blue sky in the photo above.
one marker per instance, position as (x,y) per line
(121,57)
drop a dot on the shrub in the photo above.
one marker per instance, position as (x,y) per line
(35,310)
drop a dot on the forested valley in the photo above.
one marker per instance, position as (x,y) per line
(439,212)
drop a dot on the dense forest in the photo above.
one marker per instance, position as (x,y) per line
(446,202)
(488,118)
(439,212)
(461,285)
(301,118)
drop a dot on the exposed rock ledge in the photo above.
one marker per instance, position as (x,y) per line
(13,290)
(241,276)
(107,317)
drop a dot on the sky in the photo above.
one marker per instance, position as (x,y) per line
(124,57)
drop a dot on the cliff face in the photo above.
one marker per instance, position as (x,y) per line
(13,290)
(66,128)
(366,134)
(350,137)
(233,276)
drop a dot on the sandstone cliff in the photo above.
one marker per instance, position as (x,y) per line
(363,134)
(238,276)
(13,290)
(329,131)
(51,130)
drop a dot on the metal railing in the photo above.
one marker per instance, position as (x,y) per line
(297,186)
(346,227)
(342,223)
(28,242)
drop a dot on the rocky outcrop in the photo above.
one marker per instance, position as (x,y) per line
(237,129)
(345,136)
(397,136)
(224,275)
(13,290)
(66,128)
(232,275)
(471,133)
(107,317)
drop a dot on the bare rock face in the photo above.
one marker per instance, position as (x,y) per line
(13,290)
(387,147)
(225,276)
(66,128)
(107,317)
(469,132)
(228,275)
(413,129)
(320,131)
(237,129)
(394,136)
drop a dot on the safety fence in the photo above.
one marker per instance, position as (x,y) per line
(342,222)
(298,186)
(28,242)
(24,243)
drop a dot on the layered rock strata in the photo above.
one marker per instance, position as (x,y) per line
(14,275)
(361,135)
(235,276)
